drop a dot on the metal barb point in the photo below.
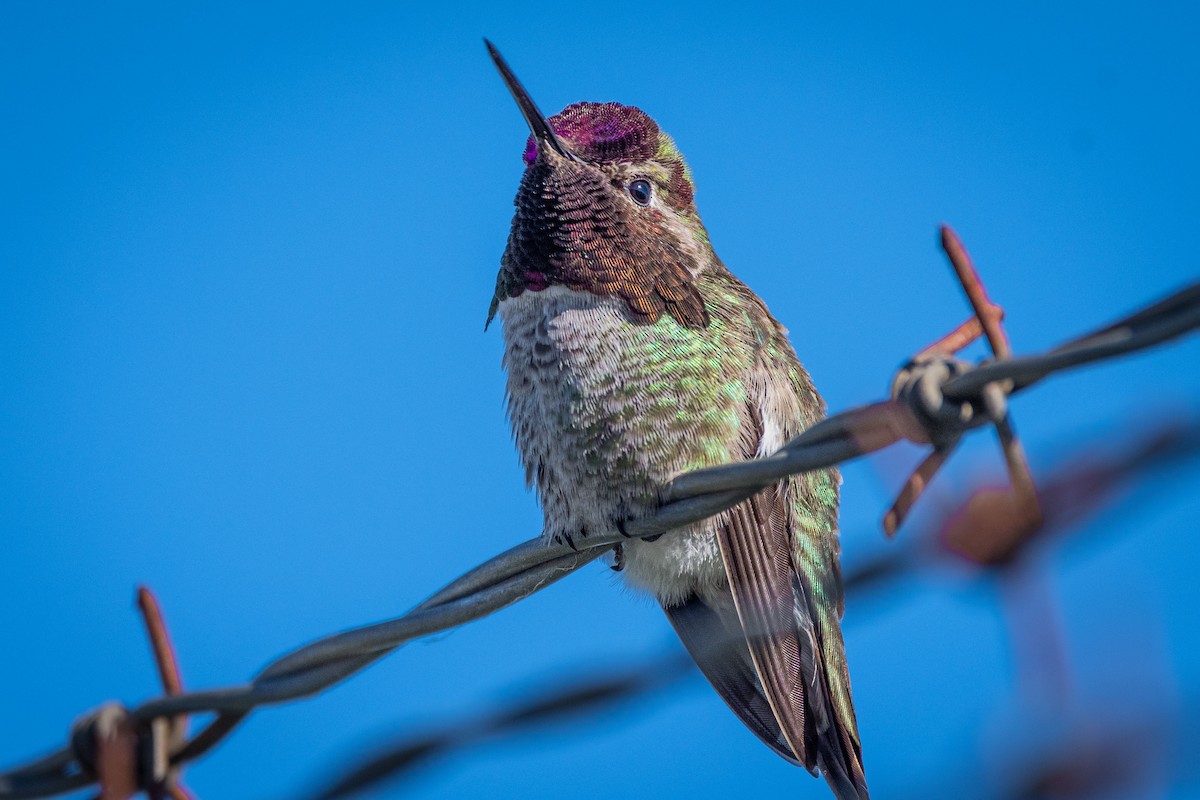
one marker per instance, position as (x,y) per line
(168,734)
(988,313)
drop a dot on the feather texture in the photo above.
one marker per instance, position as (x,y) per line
(634,355)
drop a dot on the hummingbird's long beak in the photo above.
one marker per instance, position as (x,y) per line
(541,129)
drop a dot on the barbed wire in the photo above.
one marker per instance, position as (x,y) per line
(936,399)
(561,704)
(1067,494)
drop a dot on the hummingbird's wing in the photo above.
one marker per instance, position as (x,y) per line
(818,596)
(788,639)
(780,553)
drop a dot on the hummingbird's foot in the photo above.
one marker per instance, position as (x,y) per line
(618,558)
(569,540)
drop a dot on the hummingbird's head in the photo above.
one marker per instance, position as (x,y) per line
(626,145)
(606,206)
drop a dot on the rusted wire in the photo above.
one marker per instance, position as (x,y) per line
(944,399)
(165,779)
(1072,490)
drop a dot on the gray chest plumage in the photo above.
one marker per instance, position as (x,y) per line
(605,411)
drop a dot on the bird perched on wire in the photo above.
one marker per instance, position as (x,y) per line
(633,355)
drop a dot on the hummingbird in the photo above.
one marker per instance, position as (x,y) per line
(634,355)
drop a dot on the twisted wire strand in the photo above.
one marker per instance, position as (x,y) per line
(537,563)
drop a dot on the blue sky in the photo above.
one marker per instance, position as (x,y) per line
(246,258)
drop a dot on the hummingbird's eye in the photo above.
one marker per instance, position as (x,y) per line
(640,191)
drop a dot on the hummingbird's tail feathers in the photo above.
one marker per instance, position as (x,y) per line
(722,656)
(844,786)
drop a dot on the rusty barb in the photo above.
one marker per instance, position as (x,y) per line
(125,756)
(918,386)
(936,398)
